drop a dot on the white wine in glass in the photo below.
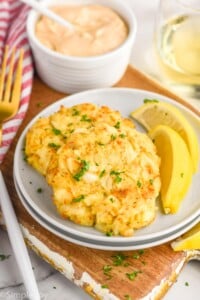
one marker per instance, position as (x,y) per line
(178,42)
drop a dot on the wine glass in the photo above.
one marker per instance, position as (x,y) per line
(177,43)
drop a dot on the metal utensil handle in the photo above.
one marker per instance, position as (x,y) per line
(17,242)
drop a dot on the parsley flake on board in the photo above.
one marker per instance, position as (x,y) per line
(127,297)
(106,271)
(104,286)
(133,275)
(141,251)
(39,104)
(119,259)
(138,254)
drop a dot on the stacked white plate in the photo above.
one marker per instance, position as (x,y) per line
(40,205)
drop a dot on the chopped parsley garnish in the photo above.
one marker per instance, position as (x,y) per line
(113,137)
(151,181)
(39,190)
(186,283)
(127,297)
(138,254)
(150,101)
(117,125)
(104,286)
(116,174)
(39,104)
(25,157)
(109,233)
(75,112)
(100,144)
(106,271)
(122,135)
(84,168)
(139,184)
(102,173)
(56,131)
(118,179)
(85,118)
(182,174)
(78,199)
(118,259)
(111,199)
(3,257)
(133,275)
(54,146)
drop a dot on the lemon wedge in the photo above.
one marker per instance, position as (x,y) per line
(153,113)
(189,241)
(175,169)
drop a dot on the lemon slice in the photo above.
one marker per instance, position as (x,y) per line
(189,241)
(155,113)
(175,169)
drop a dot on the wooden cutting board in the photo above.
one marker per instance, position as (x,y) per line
(141,273)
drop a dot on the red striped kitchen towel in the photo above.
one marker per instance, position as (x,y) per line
(13,16)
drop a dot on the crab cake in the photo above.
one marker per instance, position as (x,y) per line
(42,141)
(103,174)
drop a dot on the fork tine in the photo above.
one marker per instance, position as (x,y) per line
(6,97)
(3,72)
(18,81)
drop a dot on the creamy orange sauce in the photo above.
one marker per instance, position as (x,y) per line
(99,30)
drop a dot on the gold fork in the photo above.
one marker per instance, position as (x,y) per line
(10,90)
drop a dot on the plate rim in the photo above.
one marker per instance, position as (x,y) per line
(134,246)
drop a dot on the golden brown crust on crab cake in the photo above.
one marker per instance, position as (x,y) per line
(105,173)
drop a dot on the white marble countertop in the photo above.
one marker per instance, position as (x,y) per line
(53,285)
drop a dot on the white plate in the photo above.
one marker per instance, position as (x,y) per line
(108,245)
(125,100)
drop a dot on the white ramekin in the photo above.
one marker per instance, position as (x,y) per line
(70,74)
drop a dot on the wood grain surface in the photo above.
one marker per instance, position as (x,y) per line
(155,265)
